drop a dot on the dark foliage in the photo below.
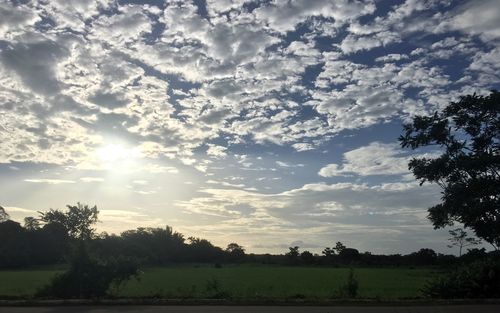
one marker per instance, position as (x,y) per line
(479,279)
(350,288)
(293,255)
(307,257)
(77,220)
(236,252)
(3,215)
(468,170)
(89,277)
(50,244)
(21,247)
(349,255)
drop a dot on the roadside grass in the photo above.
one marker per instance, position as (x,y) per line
(243,282)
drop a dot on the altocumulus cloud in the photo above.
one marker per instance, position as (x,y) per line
(302,101)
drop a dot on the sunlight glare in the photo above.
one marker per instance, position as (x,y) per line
(116,155)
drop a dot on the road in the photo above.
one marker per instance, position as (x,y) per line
(257,309)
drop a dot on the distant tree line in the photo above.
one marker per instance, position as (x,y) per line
(48,238)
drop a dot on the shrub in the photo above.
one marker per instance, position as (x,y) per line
(350,288)
(89,277)
(479,279)
(214,289)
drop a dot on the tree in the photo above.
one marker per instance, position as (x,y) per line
(460,239)
(3,215)
(14,246)
(339,247)
(235,251)
(349,255)
(31,223)
(468,170)
(423,256)
(77,220)
(307,257)
(293,253)
(328,252)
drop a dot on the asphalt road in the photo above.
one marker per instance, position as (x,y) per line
(256,309)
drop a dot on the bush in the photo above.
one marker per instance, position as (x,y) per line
(214,289)
(88,277)
(350,288)
(480,279)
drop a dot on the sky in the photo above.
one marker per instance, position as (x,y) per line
(266,123)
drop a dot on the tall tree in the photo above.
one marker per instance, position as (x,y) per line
(339,247)
(78,220)
(293,253)
(459,238)
(468,169)
(235,250)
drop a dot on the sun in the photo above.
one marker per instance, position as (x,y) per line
(116,156)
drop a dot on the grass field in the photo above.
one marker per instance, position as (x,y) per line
(243,282)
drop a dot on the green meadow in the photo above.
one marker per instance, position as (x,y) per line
(242,282)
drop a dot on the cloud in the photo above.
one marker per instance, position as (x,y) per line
(477,18)
(375,159)
(14,20)
(91,179)
(34,62)
(283,16)
(120,220)
(317,211)
(229,87)
(50,181)
(217,151)
(302,146)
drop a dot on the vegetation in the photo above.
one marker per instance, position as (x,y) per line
(479,279)
(460,238)
(350,288)
(468,170)
(245,281)
(3,215)
(97,265)
(88,277)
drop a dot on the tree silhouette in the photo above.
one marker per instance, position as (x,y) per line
(460,239)
(328,252)
(236,252)
(78,220)
(3,215)
(307,257)
(468,170)
(339,247)
(293,252)
(31,223)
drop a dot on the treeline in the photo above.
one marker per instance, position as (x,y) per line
(49,238)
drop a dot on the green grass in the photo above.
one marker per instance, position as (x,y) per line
(244,282)
(23,283)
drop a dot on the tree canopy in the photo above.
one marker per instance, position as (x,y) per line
(78,220)
(468,168)
(3,215)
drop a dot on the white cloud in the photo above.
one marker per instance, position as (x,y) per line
(91,179)
(15,20)
(217,151)
(50,181)
(375,159)
(317,211)
(302,146)
(283,16)
(477,18)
